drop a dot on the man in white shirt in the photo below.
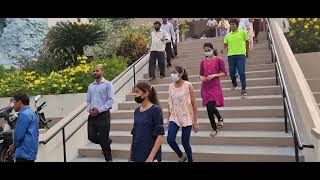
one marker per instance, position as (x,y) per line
(159,38)
(168,27)
(212,25)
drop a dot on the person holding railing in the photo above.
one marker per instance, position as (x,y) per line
(100,98)
(148,127)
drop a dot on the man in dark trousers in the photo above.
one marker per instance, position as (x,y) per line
(168,27)
(159,38)
(175,28)
(26,132)
(100,98)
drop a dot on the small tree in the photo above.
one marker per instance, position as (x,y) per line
(71,38)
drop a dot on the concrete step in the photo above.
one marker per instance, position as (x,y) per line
(230,124)
(101,159)
(195,78)
(195,60)
(199,52)
(251,91)
(196,69)
(266,100)
(226,112)
(248,138)
(205,153)
(252,82)
(218,43)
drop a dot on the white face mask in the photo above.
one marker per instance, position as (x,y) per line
(209,53)
(174,77)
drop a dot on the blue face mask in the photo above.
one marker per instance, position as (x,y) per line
(174,77)
(209,53)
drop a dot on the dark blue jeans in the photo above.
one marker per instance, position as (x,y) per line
(237,62)
(185,138)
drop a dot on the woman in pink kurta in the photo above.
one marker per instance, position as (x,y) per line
(211,68)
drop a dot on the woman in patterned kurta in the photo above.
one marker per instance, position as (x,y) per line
(211,68)
(182,112)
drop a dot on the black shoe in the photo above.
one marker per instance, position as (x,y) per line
(162,77)
(183,158)
(108,157)
(169,66)
(152,78)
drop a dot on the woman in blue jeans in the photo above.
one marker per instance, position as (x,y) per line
(182,112)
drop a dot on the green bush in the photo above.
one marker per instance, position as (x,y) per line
(133,46)
(4,72)
(304,34)
(69,80)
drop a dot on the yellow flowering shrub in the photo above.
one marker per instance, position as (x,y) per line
(69,80)
(304,34)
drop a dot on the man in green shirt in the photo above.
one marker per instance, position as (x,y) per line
(237,44)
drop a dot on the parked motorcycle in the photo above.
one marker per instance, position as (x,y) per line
(43,122)
(7,131)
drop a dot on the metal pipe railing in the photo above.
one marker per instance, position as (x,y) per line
(288,110)
(114,81)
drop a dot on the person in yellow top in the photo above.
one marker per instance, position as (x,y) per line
(236,42)
(223,26)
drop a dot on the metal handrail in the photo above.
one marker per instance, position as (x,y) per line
(288,111)
(115,80)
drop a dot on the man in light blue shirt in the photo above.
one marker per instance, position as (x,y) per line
(26,133)
(168,27)
(100,98)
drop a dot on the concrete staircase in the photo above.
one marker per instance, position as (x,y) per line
(254,126)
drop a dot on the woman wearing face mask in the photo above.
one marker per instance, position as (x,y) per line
(211,69)
(148,127)
(182,112)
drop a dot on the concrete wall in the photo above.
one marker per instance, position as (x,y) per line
(310,63)
(57,105)
(306,111)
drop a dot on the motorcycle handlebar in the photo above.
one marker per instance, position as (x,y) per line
(40,107)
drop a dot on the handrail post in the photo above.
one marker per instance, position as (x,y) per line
(296,150)
(64,146)
(285,111)
(277,75)
(134,76)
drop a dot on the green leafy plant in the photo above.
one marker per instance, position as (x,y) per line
(133,46)
(71,38)
(304,34)
(69,80)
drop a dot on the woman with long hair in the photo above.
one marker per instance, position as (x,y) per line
(148,127)
(211,69)
(182,112)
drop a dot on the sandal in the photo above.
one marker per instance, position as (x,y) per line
(220,123)
(213,133)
